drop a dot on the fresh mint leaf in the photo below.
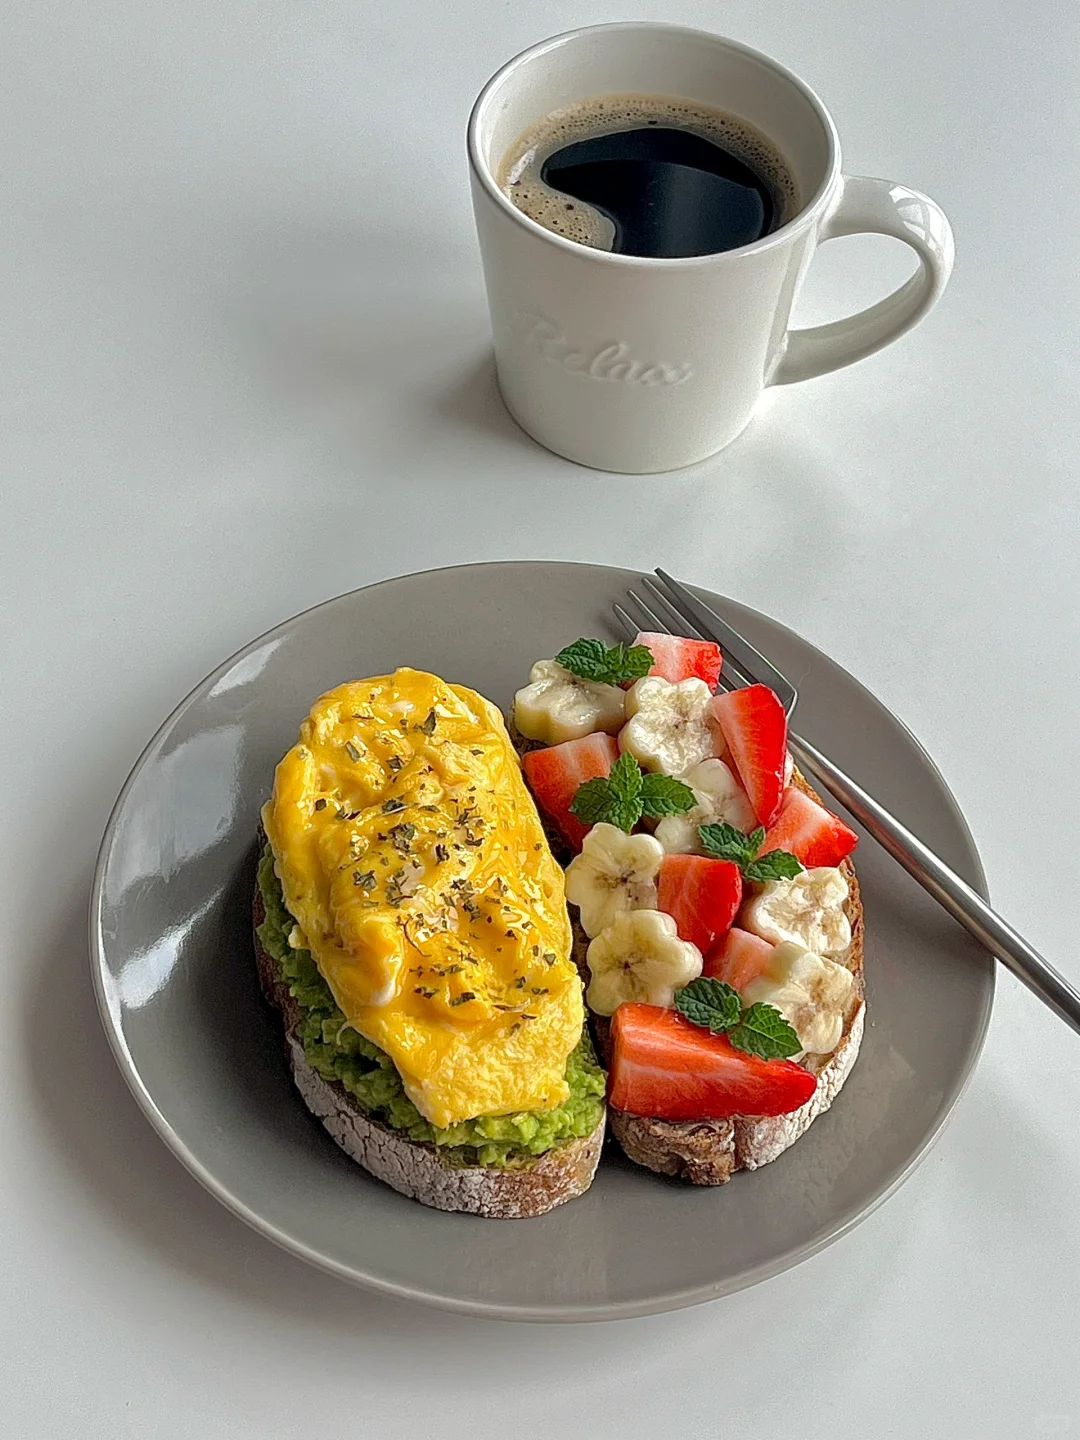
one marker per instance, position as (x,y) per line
(625,781)
(664,795)
(625,778)
(763,1031)
(614,799)
(724,842)
(773,865)
(628,662)
(712,1004)
(593,801)
(584,657)
(755,839)
(605,665)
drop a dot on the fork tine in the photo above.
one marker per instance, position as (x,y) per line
(683,626)
(731,678)
(677,623)
(648,619)
(736,649)
(630,626)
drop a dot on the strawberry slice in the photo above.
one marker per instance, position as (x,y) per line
(754,726)
(809,831)
(555,775)
(675,658)
(701,895)
(666,1068)
(739,958)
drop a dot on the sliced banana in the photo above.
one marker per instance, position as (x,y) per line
(668,730)
(557,705)
(639,957)
(811,993)
(719,796)
(807,909)
(614,874)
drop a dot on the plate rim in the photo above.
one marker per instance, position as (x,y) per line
(598,1311)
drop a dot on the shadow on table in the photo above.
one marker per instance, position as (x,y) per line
(472,401)
(346,319)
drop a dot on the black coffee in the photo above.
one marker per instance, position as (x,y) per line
(666,192)
(649,175)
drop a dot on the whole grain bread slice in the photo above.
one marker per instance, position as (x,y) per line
(413,1167)
(708,1152)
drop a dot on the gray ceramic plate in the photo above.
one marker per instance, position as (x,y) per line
(171,947)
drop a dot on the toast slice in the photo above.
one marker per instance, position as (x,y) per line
(415,1168)
(708,1152)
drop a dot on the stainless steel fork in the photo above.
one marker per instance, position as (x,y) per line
(743,665)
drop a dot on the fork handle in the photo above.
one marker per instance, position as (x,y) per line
(953,894)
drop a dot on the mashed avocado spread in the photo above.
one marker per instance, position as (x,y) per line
(368,1074)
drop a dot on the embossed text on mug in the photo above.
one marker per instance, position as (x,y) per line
(611,361)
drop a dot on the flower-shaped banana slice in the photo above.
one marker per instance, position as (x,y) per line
(614,874)
(719,796)
(811,992)
(557,705)
(808,909)
(668,730)
(639,957)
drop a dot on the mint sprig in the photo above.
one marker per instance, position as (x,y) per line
(712,1004)
(604,664)
(762,1030)
(665,795)
(614,799)
(625,795)
(757,1030)
(724,842)
(773,865)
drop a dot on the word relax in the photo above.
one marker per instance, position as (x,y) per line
(611,361)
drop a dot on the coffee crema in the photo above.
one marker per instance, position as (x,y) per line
(649,175)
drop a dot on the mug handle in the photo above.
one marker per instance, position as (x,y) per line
(876,207)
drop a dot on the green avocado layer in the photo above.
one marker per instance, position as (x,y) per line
(368,1073)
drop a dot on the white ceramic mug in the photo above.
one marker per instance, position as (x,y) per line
(638,365)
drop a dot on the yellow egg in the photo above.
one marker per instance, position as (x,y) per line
(411,856)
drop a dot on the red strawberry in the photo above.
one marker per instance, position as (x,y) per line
(556,774)
(739,958)
(809,832)
(701,895)
(664,1067)
(754,727)
(676,658)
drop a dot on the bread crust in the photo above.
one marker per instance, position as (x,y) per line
(412,1167)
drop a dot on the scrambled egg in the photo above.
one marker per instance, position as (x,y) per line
(413,860)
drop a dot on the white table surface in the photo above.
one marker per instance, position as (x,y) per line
(247,368)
